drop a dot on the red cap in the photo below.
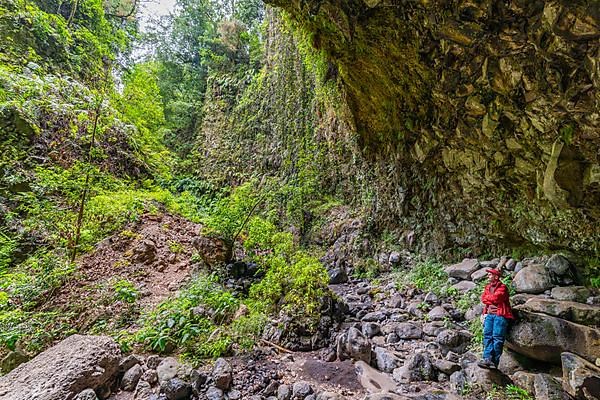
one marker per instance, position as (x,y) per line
(493,271)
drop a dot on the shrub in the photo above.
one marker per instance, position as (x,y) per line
(125,291)
(179,322)
(427,275)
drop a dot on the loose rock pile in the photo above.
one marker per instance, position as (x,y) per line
(404,343)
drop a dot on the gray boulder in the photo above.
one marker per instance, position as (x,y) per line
(167,369)
(525,380)
(408,330)
(354,345)
(445,366)
(385,360)
(462,270)
(438,313)
(284,392)
(222,374)
(371,329)
(300,390)
(77,363)
(485,379)
(579,313)
(131,378)
(372,380)
(176,389)
(570,293)
(386,396)
(417,367)
(479,275)
(143,391)
(581,379)
(543,337)
(546,387)
(464,286)
(337,275)
(533,279)
(455,341)
(558,265)
(214,393)
(87,394)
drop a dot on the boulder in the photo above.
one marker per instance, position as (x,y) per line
(579,313)
(87,394)
(462,270)
(558,265)
(176,389)
(284,392)
(337,275)
(524,380)
(143,391)
(329,396)
(408,330)
(511,362)
(222,374)
(581,379)
(214,393)
(546,387)
(571,293)
(464,286)
(543,337)
(433,328)
(354,345)
(474,312)
(372,380)
(131,378)
(77,363)
(479,275)
(455,341)
(438,313)
(385,360)
(300,390)
(445,366)
(167,369)
(485,379)
(371,329)
(418,367)
(533,279)
(213,251)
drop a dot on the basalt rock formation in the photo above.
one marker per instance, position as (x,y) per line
(481,116)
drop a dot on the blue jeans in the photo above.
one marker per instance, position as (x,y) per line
(494,331)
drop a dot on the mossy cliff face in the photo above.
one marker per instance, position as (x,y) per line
(477,120)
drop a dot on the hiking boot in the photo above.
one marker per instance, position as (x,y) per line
(487,364)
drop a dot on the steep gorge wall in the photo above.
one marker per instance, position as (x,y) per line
(479,120)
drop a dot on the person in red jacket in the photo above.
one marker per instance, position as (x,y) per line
(496,315)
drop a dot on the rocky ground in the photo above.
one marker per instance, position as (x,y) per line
(395,342)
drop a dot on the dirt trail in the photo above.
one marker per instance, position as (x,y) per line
(151,256)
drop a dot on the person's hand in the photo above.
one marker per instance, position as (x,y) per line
(482,318)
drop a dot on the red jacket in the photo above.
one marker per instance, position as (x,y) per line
(497,297)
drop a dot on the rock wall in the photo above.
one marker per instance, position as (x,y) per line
(478,122)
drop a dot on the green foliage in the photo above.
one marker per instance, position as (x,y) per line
(32,331)
(509,392)
(227,215)
(7,247)
(367,268)
(141,105)
(74,37)
(125,291)
(294,282)
(184,322)
(427,275)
